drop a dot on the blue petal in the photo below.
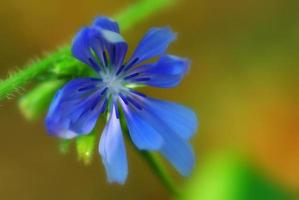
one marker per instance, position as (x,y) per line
(106,23)
(179,153)
(90,45)
(75,108)
(176,124)
(180,119)
(112,150)
(154,43)
(82,47)
(175,148)
(167,72)
(143,135)
(116,46)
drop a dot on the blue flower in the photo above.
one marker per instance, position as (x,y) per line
(153,125)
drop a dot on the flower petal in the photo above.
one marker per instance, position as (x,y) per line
(106,23)
(180,119)
(167,72)
(143,135)
(176,124)
(179,153)
(112,150)
(154,43)
(75,108)
(175,147)
(91,44)
(116,46)
(83,50)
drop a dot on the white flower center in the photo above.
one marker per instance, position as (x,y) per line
(114,84)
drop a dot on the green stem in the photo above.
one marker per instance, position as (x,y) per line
(127,18)
(140,11)
(153,161)
(161,172)
(19,79)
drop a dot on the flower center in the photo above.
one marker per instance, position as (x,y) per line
(113,83)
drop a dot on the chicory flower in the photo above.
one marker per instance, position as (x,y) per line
(153,125)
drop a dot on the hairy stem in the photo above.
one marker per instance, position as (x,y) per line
(19,79)
(127,18)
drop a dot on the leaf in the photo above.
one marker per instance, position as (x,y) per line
(232,177)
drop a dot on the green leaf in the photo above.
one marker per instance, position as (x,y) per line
(232,177)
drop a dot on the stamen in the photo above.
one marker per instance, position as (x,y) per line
(137,93)
(95,103)
(131,64)
(89,87)
(142,79)
(104,105)
(95,79)
(120,69)
(104,91)
(80,116)
(116,110)
(131,76)
(97,56)
(123,98)
(112,57)
(134,103)
(105,58)
(94,64)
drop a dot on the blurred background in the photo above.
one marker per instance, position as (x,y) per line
(243,85)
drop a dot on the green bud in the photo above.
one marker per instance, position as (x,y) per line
(37,101)
(64,146)
(85,146)
(71,67)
